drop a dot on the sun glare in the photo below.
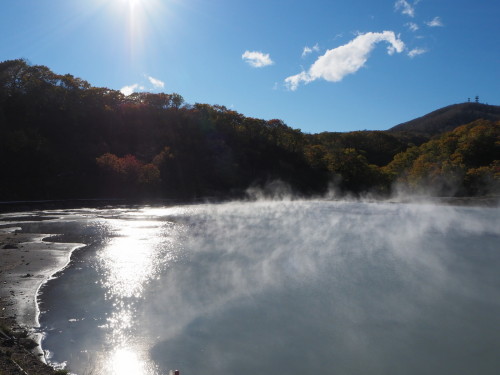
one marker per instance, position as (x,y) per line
(137,25)
(129,361)
(138,16)
(134,2)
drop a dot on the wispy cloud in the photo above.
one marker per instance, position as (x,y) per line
(257,59)
(416,51)
(435,22)
(157,84)
(412,26)
(336,63)
(128,90)
(405,7)
(308,50)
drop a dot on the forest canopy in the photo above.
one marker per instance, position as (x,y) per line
(62,138)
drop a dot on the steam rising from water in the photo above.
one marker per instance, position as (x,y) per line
(290,287)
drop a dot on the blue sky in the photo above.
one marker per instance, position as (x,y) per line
(318,65)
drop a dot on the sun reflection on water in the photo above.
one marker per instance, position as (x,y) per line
(142,245)
(134,256)
(125,361)
(128,361)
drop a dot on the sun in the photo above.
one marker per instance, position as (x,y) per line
(134,3)
(136,24)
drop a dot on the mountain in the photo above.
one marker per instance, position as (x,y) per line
(62,138)
(448,118)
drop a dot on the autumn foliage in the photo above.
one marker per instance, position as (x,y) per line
(60,137)
(127,172)
(464,161)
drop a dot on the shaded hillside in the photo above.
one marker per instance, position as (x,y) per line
(62,138)
(378,147)
(448,118)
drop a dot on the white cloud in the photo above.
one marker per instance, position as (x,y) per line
(128,90)
(136,87)
(405,7)
(157,84)
(436,22)
(417,51)
(308,50)
(336,63)
(257,59)
(412,26)
(293,82)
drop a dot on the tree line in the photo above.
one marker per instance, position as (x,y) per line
(62,138)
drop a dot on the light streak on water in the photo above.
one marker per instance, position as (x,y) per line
(282,287)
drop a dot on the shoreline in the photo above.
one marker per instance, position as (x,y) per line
(28,262)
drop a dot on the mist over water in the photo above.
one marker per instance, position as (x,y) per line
(280,287)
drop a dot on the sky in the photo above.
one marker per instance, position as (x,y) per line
(318,65)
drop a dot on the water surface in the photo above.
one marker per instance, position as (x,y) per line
(279,288)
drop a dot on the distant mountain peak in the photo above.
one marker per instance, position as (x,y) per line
(448,118)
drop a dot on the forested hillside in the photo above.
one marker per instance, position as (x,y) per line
(62,138)
(464,161)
